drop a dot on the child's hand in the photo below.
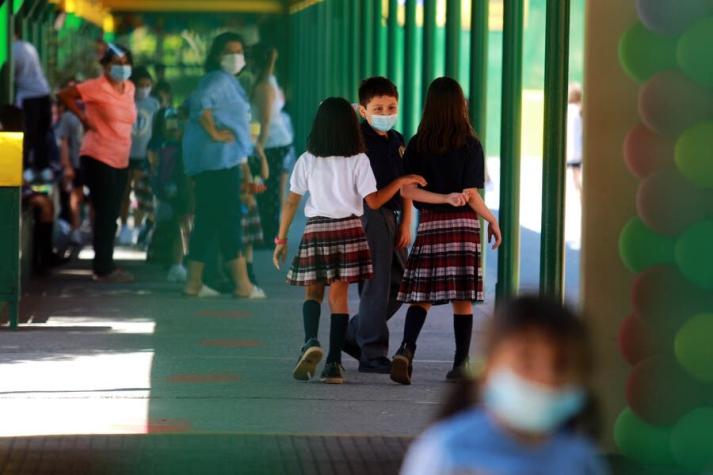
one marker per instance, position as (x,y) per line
(456,199)
(468,194)
(494,234)
(279,255)
(413,180)
(224,136)
(403,237)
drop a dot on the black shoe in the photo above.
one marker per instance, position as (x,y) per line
(311,355)
(381,365)
(333,373)
(402,365)
(459,372)
(352,349)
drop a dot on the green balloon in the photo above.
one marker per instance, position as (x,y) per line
(642,442)
(693,254)
(693,348)
(692,440)
(643,53)
(693,154)
(641,248)
(693,52)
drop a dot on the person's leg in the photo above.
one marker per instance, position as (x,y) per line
(463,331)
(76,198)
(311,353)
(44,133)
(119,177)
(99,183)
(126,200)
(44,223)
(338,304)
(269,201)
(402,364)
(205,227)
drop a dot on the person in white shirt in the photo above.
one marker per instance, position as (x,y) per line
(32,95)
(574,134)
(334,251)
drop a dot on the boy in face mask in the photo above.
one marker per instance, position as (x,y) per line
(146,107)
(388,229)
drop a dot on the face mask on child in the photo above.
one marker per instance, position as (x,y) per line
(383,123)
(233,63)
(120,72)
(530,407)
(143,92)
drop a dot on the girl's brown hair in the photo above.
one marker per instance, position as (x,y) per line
(445,124)
(335,130)
(562,327)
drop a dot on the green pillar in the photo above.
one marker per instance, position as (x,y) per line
(554,169)
(409,92)
(392,39)
(7,80)
(509,253)
(366,37)
(428,69)
(355,45)
(479,31)
(322,50)
(379,55)
(453,27)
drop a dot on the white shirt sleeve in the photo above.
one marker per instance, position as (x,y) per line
(365,180)
(298,180)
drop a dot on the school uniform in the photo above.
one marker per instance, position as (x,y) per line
(445,262)
(333,246)
(378,303)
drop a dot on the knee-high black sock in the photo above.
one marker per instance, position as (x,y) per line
(311,310)
(463,329)
(337,336)
(251,273)
(415,318)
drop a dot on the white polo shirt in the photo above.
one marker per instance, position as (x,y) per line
(336,186)
(29,78)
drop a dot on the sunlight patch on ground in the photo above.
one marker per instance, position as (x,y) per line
(120,254)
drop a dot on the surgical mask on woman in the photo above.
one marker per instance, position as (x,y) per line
(143,92)
(233,63)
(120,72)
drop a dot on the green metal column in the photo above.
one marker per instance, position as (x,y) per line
(379,55)
(392,41)
(409,92)
(6,81)
(366,37)
(323,59)
(428,72)
(355,46)
(509,253)
(453,27)
(479,31)
(554,169)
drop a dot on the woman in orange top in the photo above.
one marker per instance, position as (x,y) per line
(108,119)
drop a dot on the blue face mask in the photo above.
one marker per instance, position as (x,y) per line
(383,123)
(120,72)
(530,407)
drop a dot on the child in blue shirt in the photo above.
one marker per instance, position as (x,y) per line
(527,412)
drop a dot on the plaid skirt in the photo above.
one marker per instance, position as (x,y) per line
(331,250)
(252,227)
(444,264)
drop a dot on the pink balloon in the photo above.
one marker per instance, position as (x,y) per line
(668,203)
(645,151)
(670,103)
(671,17)
(637,341)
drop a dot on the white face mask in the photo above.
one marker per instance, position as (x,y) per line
(383,123)
(233,63)
(530,407)
(143,92)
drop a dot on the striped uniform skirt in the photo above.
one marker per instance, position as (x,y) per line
(252,227)
(444,264)
(331,250)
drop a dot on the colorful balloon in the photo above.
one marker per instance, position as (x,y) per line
(693,347)
(668,203)
(691,441)
(643,53)
(670,103)
(693,154)
(645,151)
(642,442)
(641,248)
(637,340)
(667,17)
(693,52)
(693,254)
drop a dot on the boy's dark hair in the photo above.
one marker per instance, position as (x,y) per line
(212,60)
(139,73)
(114,50)
(376,86)
(162,86)
(560,326)
(335,130)
(445,124)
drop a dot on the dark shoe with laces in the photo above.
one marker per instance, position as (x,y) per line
(312,354)
(402,365)
(381,365)
(333,373)
(459,372)
(352,349)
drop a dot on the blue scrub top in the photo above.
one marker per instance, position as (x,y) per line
(472,442)
(225,97)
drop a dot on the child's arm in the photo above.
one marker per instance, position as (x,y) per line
(403,238)
(412,192)
(289,209)
(377,199)
(478,205)
(265,97)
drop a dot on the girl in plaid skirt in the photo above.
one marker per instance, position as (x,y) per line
(444,264)
(333,251)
